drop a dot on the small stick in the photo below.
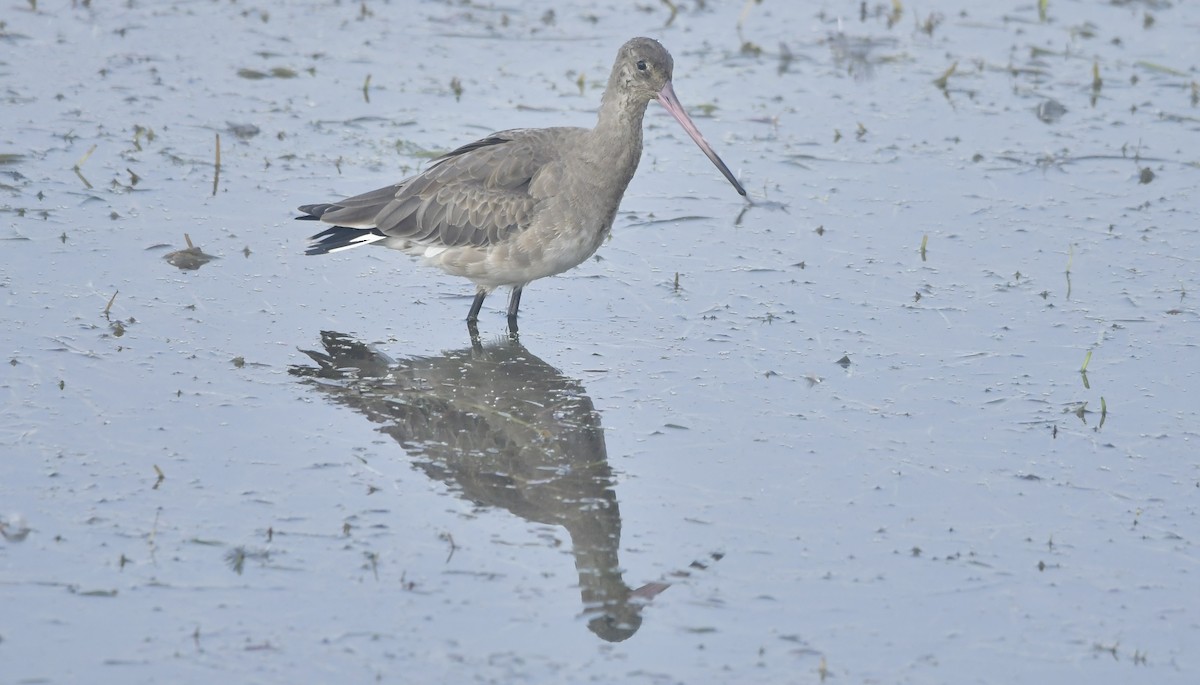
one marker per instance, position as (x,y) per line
(1070,258)
(85,157)
(81,162)
(108,307)
(746,12)
(942,81)
(675,11)
(217,170)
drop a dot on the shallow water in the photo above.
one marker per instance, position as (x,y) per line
(672,456)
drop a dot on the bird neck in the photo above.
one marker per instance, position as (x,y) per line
(616,139)
(621,112)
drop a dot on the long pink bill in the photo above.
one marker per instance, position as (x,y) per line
(667,98)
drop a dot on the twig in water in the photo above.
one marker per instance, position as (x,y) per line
(80,163)
(108,307)
(216,170)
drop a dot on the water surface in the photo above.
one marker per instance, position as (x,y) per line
(670,478)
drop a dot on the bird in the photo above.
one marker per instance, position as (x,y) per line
(519,204)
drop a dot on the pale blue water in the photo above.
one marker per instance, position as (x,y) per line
(937,511)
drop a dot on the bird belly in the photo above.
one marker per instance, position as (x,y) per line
(535,253)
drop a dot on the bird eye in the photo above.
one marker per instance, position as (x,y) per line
(641,65)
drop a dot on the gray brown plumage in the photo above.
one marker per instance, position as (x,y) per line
(521,204)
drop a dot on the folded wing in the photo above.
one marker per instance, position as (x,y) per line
(477,195)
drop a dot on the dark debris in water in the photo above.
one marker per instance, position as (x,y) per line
(14,528)
(276,72)
(190,258)
(236,558)
(1050,111)
(243,131)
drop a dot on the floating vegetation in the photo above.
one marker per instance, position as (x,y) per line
(108,307)
(216,167)
(944,79)
(1070,258)
(79,165)
(929,25)
(236,558)
(1083,370)
(276,72)
(752,49)
(675,12)
(190,258)
(243,131)
(449,539)
(785,59)
(1160,68)
(142,133)
(97,593)
(1079,409)
(744,13)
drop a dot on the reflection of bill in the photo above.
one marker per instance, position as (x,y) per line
(505,429)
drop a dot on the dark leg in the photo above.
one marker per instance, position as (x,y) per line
(514,303)
(473,315)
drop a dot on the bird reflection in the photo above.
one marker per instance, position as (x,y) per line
(504,429)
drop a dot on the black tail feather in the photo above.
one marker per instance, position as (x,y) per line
(336,237)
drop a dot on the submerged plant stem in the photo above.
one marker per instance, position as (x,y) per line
(216,168)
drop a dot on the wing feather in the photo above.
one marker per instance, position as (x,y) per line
(479,194)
